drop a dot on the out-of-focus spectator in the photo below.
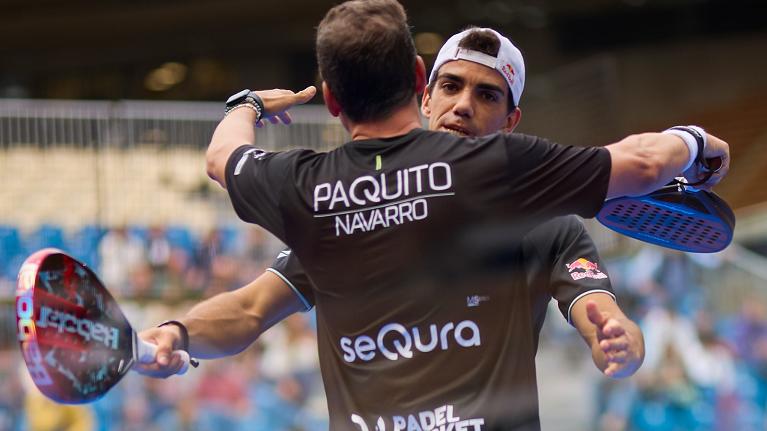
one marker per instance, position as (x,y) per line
(747,334)
(222,395)
(11,404)
(121,255)
(42,414)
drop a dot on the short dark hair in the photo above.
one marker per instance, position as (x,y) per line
(486,42)
(366,56)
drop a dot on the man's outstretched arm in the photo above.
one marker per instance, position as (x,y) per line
(646,162)
(224,324)
(616,342)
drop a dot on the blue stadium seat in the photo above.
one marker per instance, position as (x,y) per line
(12,251)
(230,236)
(181,237)
(47,235)
(140,232)
(84,244)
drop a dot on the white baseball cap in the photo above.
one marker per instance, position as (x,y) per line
(508,63)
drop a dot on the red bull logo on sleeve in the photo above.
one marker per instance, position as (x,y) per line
(584,268)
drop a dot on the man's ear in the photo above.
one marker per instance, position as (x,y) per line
(330,100)
(426,104)
(420,75)
(512,120)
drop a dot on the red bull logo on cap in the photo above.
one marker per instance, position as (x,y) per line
(508,70)
(584,268)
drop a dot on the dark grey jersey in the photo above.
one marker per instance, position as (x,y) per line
(414,248)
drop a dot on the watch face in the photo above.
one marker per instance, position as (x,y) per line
(237,97)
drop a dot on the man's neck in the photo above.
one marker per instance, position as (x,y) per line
(398,123)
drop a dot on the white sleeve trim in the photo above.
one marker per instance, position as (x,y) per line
(285,279)
(570,308)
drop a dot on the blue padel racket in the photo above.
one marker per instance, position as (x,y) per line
(677,216)
(76,342)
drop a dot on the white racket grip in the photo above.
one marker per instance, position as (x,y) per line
(146,353)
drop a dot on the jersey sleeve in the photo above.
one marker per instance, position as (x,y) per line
(555,179)
(255,180)
(289,269)
(576,268)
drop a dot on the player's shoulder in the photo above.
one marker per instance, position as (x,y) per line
(569,225)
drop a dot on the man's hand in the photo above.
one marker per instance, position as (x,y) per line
(167,338)
(277,103)
(616,347)
(715,148)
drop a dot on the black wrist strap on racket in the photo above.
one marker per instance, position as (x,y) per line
(184,337)
(699,158)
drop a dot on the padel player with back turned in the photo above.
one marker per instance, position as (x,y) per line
(385,227)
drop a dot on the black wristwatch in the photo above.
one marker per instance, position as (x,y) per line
(245,98)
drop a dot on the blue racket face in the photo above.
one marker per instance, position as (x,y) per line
(696,222)
(76,341)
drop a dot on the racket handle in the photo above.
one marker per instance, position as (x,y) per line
(146,353)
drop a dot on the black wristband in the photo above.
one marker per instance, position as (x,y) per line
(251,100)
(182,329)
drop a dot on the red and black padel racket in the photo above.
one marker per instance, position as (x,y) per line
(76,342)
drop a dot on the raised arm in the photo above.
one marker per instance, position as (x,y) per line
(236,129)
(224,324)
(646,162)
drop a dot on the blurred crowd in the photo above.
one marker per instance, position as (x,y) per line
(274,385)
(704,369)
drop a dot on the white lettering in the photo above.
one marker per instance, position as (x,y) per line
(428,420)
(346,346)
(439,419)
(85,328)
(424,209)
(372,197)
(359,422)
(433,177)
(405,212)
(399,423)
(391,216)
(325,187)
(339,195)
(370,220)
(432,340)
(443,335)
(412,424)
(395,341)
(402,347)
(417,170)
(385,187)
(367,189)
(365,347)
(473,340)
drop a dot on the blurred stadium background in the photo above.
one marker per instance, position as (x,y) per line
(107,106)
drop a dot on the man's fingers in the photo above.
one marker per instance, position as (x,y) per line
(614,345)
(617,357)
(612,369)
(285,117)
(595,316)
(613,328)
(306,94)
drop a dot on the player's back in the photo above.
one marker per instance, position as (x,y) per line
(397,237)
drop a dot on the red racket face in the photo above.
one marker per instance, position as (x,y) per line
(75,340)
